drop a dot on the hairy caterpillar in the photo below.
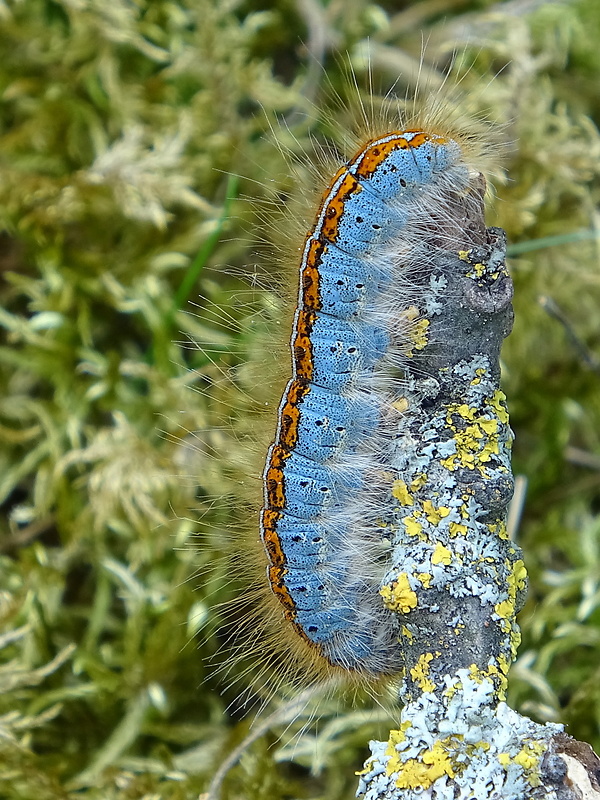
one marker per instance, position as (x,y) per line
(367,290)
(360,315)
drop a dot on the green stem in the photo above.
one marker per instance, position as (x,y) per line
(195,268)
(550,241)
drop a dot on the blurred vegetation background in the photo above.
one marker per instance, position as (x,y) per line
(122,127)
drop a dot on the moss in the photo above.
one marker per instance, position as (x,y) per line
(121,124)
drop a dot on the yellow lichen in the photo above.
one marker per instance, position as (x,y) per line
(492,674)
(490,426)
(453,689)
(419,334)
(473,448)
(497,402)
(441,555)
(528,758)
(399,596)
(503,663)
(425,578)
(505,609)
(515,641)
(476,674)
(407,633)
(502,531)
(401,404)
(420,672)
(476,271)
(413,527)
(367,767)
(517,580)
(433,514)
(479,441)
(395,737)
(418,482)
(462,409)
(401,493)
(479,373)
(457,529)
(525,759)
(423,771)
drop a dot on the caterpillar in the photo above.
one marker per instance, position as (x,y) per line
(333,420)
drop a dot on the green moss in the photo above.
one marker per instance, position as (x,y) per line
(120,126)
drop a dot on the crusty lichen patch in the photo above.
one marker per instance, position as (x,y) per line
(399,596)
(476,432)
(423,771)
(420,672)
(477,748)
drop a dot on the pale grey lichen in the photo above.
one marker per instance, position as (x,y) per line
(460,746)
